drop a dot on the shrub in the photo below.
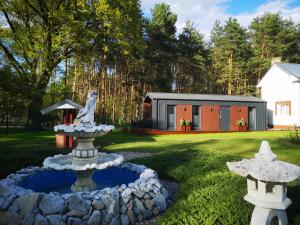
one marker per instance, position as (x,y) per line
(294,136)
(141,124)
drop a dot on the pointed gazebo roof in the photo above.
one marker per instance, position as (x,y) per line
(65,104)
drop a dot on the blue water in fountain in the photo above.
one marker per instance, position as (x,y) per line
(62,180)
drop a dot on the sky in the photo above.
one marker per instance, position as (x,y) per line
(204,13)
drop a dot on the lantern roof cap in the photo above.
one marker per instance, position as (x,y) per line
(265,167)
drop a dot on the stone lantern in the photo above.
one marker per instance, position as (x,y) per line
(267,180)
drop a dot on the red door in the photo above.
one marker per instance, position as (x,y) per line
(210,117)
(183,112)
(237,113)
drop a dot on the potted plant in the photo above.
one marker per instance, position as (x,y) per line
(188,125)
(242,124)
(182,124)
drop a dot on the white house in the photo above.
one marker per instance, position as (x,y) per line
(280,87)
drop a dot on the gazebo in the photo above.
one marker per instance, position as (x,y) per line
(68,111)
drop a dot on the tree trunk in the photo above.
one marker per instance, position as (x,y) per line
(229,85)
(6,130)
(65,78)
(35,115)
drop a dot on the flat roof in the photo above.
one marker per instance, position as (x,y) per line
(205,97)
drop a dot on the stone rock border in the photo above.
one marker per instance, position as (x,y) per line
(120,205)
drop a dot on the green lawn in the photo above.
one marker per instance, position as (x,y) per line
(209,194)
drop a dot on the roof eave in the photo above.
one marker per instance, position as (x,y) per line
(289,72)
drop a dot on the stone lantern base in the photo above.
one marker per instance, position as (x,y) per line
(263,216)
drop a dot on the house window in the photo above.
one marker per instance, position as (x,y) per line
(283,108)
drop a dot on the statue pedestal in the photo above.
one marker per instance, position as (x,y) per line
(85,148)
(84,181)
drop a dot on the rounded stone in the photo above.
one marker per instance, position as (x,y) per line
(28,219)
(98,204)
(95,218)
(40,220)
(160,202)
(124,220)
(156,211)
(74,221)
(54,219)
(51,204)
(27,203)
(78,206)
(9,218)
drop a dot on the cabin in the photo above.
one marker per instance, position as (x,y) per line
(280,88)
(206,112)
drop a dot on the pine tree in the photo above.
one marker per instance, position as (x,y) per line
(230,50)
(191,62)
(272,36)
(161,47)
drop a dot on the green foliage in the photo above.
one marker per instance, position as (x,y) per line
(35,38)
(272,36)
(13,104)
(230,50)
(190,68)
(182,122)
(294,136)
(160,51)
(188,123)
(209,194)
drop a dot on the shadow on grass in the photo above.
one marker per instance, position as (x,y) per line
(293,210)
(209,193)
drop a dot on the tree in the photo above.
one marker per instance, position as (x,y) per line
(191,62)
(272,36)
(215,59)
(113,45)
(36,37)
(230,51)
(161,47)
(12,101)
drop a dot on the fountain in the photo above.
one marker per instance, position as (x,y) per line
(85,157)
(83,187)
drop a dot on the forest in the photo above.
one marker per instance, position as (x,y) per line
(51,50)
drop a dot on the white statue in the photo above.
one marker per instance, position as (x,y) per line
(85,117)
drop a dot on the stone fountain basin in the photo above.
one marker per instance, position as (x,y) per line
(61,180)
(122,204)
(80,131)
(65,162)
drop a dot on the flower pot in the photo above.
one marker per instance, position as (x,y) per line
(242,128)
(182,127)
(188,128)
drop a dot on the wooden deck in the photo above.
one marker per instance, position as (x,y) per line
(170,132)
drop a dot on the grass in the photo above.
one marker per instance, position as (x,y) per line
(209,194)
